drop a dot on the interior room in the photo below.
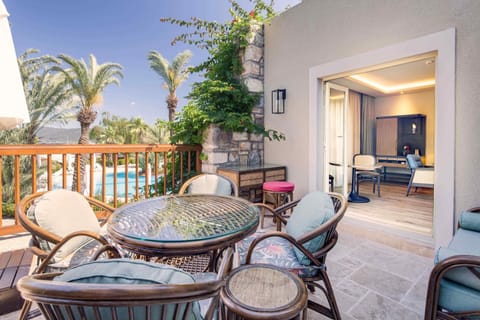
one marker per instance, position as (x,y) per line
(390,113)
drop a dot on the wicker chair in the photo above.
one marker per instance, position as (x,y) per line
(99,298)
(70,246)
(278,248)
(210,184)
(454,286)
(43,239)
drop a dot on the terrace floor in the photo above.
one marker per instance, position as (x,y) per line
(377,271)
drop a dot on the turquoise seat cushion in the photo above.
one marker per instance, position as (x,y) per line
(311,212)
(463,242)
(469,221)
(457,298)
(460,275)
(135,272)
(276,251)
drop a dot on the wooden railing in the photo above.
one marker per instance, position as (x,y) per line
(155,170)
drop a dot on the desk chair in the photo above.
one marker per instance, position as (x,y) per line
(373,175)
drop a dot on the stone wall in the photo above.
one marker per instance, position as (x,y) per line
(226,148)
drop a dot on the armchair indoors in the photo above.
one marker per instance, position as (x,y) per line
(454,285)
(420,176)
(309,235)
(208,183)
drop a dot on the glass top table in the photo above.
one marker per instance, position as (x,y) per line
(182,224)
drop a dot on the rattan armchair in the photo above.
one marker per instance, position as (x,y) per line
(314,272)
(43,239)
(58,299)
(454,285)
(47,245)
(209,183)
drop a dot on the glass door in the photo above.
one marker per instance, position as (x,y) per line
(336,104)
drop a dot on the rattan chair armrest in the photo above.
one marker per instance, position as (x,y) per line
(437,273)
(475,210)
(67,238)
(285,236)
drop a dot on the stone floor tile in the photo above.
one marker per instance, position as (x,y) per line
(404,266)
(416,296)
(371,254)
(337,272)
(351,262)
(382,282)
(351,288)
(377,307)
(344,301)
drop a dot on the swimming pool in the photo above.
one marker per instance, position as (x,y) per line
(121,184)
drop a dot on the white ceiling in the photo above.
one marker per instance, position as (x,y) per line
(416,71)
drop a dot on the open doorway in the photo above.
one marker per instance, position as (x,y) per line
(389,112)
(443,45)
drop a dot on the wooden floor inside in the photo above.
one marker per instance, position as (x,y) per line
(393,209)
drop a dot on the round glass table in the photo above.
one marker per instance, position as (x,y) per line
(182,225)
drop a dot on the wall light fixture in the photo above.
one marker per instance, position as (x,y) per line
(278,101)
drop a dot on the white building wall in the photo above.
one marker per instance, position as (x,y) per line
(316,32)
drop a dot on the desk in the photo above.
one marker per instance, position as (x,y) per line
(262,291)
(182,225)
(354,196)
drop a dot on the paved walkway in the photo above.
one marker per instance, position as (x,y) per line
(375,275)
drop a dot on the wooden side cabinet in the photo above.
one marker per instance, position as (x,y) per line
(250,179)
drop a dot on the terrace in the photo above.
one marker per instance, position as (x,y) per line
(378,272)
(375,272)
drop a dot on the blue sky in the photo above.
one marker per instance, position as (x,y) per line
(120,31)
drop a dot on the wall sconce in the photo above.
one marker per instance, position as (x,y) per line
(278,101)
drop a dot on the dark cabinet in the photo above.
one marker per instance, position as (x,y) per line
(401,135)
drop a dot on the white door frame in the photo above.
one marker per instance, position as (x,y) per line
(327,140)
(443,44)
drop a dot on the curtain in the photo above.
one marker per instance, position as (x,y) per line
(367,125)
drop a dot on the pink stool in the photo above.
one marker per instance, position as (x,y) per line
(276,193)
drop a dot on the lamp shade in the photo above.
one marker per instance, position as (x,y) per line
(13,106)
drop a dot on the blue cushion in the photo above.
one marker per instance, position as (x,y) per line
(126,271)
(460,275)
(276,251)
(463,242)
(312,211)
(470,221)
(457,298)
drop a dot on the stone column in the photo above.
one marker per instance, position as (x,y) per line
(240,148)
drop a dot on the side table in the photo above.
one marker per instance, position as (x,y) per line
(261,291)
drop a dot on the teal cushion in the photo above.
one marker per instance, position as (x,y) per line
(457,298)
(460,275)
(470,221)
(463,242)
(312,211)
(126,271)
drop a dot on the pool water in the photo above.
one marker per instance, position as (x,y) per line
(121,184)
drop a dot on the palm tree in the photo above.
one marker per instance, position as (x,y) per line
(138,129)
(173,75)
(158,133)
(87,81)
(48,97)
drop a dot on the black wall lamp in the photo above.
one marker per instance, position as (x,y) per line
(278,101)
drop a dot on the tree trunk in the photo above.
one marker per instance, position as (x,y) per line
(172,102)
(86,118)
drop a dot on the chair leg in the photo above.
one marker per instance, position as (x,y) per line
(333,312)
(378,186)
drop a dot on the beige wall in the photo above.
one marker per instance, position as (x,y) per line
(413,103)
(316,32)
